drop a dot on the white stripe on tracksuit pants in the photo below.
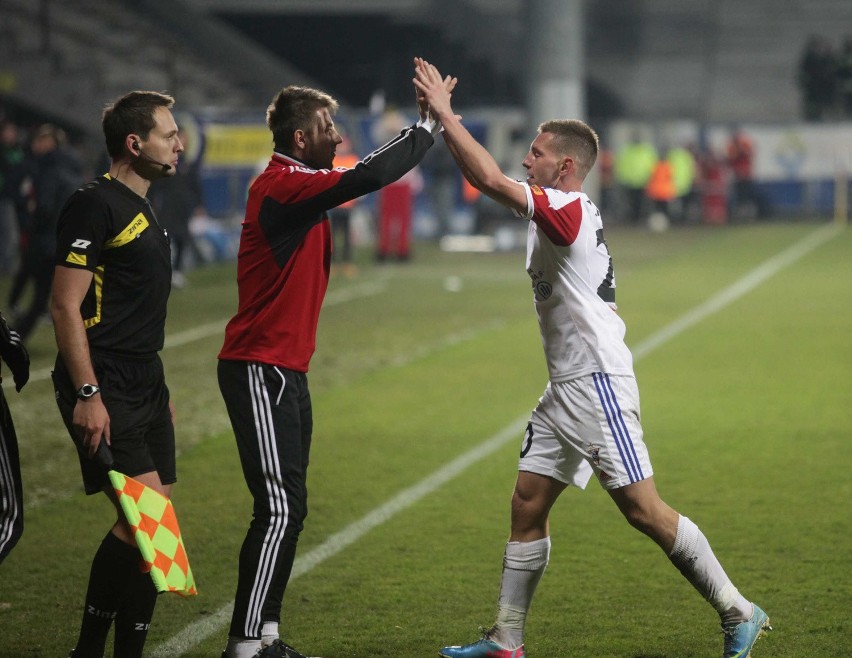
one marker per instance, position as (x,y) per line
(270,411)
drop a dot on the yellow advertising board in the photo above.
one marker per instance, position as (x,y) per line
(236,145)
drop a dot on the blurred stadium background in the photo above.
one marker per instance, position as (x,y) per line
(418,363)
(673,73)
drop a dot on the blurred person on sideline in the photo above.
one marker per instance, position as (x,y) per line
(282,275)
(587,421)
(11,165)
(53,172)
(634,164)
(341,216)
(844,78)
(176,200)
(684,171)
(661,192)
(745,199)
(817,78)
(395,206)
(13,352)
(110,291)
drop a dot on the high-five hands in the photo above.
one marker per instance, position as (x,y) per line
(425,105)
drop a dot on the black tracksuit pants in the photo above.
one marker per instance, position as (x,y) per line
(270,412)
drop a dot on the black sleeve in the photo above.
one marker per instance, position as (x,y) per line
(81,231)
(388,163)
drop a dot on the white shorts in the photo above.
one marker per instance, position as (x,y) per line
(587,425)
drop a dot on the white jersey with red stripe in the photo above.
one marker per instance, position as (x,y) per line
(574,286)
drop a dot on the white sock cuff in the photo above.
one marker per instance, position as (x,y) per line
(241,648)
(269,633)
(527,556)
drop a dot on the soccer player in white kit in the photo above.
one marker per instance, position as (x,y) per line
(587,420)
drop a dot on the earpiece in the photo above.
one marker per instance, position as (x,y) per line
(136,146)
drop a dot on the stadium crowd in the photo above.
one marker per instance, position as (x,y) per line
(825,79)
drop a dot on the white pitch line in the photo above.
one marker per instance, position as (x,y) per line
(199,631)
(739,288)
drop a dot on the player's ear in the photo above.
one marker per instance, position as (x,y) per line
(131,142)
(299,139)
(566,165)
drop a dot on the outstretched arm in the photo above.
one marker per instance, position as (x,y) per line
(476,163)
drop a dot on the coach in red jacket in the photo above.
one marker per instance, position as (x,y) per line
(282,273)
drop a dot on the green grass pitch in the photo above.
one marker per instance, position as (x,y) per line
(748,415)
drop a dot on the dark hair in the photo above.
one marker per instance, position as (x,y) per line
(132,113)
(575,138)
(292,109)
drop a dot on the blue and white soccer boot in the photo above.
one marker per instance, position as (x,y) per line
(740,638)
(484,648)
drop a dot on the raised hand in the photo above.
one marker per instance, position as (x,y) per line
(433,92)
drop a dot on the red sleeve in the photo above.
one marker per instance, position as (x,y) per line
(560,225)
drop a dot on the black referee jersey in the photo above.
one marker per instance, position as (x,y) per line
(110,230)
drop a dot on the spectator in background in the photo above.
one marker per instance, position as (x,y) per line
(606,174)
(683,175)
(844,78)
(176,199)
(54,172)
(396,200)
(713,188)
(817,78)
(745,200)
(341,217)
(661,192)
(443,177)
(11,161)
(633,167)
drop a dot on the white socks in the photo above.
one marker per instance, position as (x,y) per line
(268,633)
(694,558)
(239,647)
(523,566)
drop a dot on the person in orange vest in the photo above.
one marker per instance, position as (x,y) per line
(661,187)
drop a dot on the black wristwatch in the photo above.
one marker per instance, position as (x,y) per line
(86,391)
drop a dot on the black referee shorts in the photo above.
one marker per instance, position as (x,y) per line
(142,436)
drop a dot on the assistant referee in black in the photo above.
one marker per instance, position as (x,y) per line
(111,285)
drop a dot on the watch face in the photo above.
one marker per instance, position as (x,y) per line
(87,391)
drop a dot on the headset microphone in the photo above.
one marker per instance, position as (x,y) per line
(141,154)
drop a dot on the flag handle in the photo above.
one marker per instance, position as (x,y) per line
(104,455)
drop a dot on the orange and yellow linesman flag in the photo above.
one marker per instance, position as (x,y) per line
(155,527)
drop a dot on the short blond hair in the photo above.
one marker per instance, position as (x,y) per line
(576,139)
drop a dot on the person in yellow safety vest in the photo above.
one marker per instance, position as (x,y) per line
(683,173)
(634,164)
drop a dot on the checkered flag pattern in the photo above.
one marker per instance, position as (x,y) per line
(157,534)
